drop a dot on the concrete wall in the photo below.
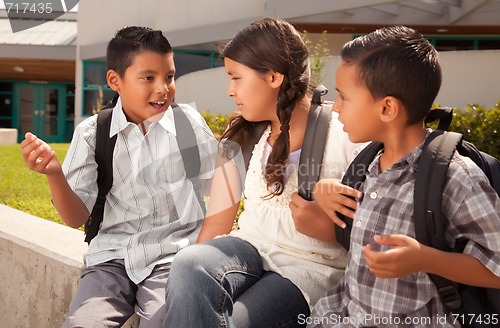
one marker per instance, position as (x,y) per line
(41,262)
(8,136)
(468,77)
(39,271)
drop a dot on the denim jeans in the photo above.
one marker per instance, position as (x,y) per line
(221,283)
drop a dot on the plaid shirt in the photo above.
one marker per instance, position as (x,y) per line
(472,209)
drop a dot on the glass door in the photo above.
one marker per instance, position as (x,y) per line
(42,110)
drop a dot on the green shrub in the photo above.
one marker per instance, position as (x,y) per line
(479,125)
(216,122)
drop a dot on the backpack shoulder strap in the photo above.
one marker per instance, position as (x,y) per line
(188,146)
(257,132)
(430,178)
(354,177)
(443,114)
(313,145)
(104,159)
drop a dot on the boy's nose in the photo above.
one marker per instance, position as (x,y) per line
(162,87)
(230,92)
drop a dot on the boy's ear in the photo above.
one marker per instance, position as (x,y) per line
(113,80)
(391,109)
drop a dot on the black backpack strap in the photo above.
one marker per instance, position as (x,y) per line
(188,146)
(355,177)
(430,178)
(104,158)
(443,114)
(313,145)
(257,132)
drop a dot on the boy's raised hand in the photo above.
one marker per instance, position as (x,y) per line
(38,155)
(332,196)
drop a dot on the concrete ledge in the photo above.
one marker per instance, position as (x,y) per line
(8,136)
(39,271)
(41,263)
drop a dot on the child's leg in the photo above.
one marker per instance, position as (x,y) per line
(273,301)
(151,297)
(105,297)
(206,278)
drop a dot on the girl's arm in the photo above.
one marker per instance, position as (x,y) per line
(225,196)
(311,220)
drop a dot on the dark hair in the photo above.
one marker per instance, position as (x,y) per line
(131,40)
(397,61)
(271,45)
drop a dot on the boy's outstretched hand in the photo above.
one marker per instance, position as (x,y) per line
(401,260)
(332,196)
(38,155)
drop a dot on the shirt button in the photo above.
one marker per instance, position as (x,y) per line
(373,195)
(358,223)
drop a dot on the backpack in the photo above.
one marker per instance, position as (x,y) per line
(471,306)
(104,158)
(311,156)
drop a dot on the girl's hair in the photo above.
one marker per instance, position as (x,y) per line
(130,41)
(397,61)
(271,45)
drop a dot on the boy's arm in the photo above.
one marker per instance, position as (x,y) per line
(332,196)
(40,157)
(408,255)
(224,200)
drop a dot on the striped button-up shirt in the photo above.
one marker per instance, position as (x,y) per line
(472,209)
(151,211)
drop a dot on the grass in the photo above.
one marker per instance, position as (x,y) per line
(23,189)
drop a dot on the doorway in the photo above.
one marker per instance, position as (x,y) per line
(42,110)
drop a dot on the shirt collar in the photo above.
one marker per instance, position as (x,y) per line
(410,159)
(119,120)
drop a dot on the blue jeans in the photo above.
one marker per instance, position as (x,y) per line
(221,283)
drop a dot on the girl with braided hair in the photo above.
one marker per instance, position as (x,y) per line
(272,270)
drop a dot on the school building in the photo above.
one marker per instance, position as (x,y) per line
(52,76)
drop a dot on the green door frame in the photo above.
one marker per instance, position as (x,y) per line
(42,123)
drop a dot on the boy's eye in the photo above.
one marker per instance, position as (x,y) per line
(148,78)
(169,77)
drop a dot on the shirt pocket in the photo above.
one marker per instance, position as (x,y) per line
(170,169)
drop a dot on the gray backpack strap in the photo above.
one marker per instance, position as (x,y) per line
(313,146)
(188,146)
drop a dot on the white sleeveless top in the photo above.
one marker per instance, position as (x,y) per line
(312,265)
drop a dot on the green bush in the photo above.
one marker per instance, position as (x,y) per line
(479,125)
(216,122)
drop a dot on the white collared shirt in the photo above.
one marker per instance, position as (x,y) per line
(151,211)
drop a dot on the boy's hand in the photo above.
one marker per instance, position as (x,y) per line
(402,259)
(38,155)
(310,219)
(332,196)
